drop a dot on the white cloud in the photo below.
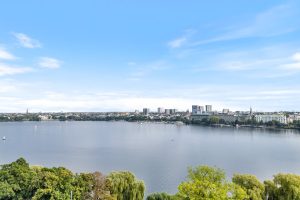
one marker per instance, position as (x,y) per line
(26,41)
(51,63)
(5,55)
(177,43)
(11,70)
(235,97)
(294,64)
(296,56)
(265,24)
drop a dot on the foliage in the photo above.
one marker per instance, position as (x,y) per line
(101,189)
(160,196)
(283,187)
(6,191)
(124,186)
(207,183)
(253,187)
(19,181)
(214,120)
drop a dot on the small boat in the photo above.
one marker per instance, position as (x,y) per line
(3,138)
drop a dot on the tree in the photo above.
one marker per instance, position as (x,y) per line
(253,187)
(6,191)
(214,120)
(100,189)
(55,183)
(82,186)
(287,186)
(207,183)
(270,190)
(21,179)
(160,196)
(124,186)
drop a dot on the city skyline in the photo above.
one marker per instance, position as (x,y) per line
(99,56)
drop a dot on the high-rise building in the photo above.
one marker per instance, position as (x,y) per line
(201,109)
(160,110)
(146,111)
(208,108)
(197,109)
(167,111)
(173,111)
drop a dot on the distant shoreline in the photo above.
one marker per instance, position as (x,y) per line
(179,123)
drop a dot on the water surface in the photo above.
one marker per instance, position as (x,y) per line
(157,153)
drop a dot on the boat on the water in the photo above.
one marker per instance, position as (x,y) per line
(3,138)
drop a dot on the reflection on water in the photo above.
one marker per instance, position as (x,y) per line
(157,153)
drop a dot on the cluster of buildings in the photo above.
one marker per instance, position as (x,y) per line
(198,113)
(206,112)
(160,110)
(201,112)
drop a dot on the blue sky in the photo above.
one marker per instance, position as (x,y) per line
(126,55)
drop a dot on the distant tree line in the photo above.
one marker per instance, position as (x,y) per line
(208,121)
(215,120)
(20,181)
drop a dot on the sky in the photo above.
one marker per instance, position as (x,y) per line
(124,55)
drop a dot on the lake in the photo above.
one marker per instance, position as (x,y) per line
(155,152)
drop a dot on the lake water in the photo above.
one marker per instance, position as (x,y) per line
(157,153)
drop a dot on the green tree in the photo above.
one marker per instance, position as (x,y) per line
(55,183)
(214,120)
(21,179)
(160,196)
(270,190)
(124,186)
(207,183)
(6,191)
(287,186)
(253,187)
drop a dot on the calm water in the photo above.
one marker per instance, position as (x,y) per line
(157,153)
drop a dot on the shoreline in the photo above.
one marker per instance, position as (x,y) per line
(178,123)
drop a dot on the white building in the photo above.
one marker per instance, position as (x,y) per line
(160,110)
(208,108)
(293,118)
(272,117)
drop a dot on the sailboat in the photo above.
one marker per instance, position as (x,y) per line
(3,138)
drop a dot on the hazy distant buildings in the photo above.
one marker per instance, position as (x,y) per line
(197,109)
(173,111)
(225,111)
(170,111)
(167,111)
(293,118)
(208,108)
(271,117)
(146,111)
(160,110)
